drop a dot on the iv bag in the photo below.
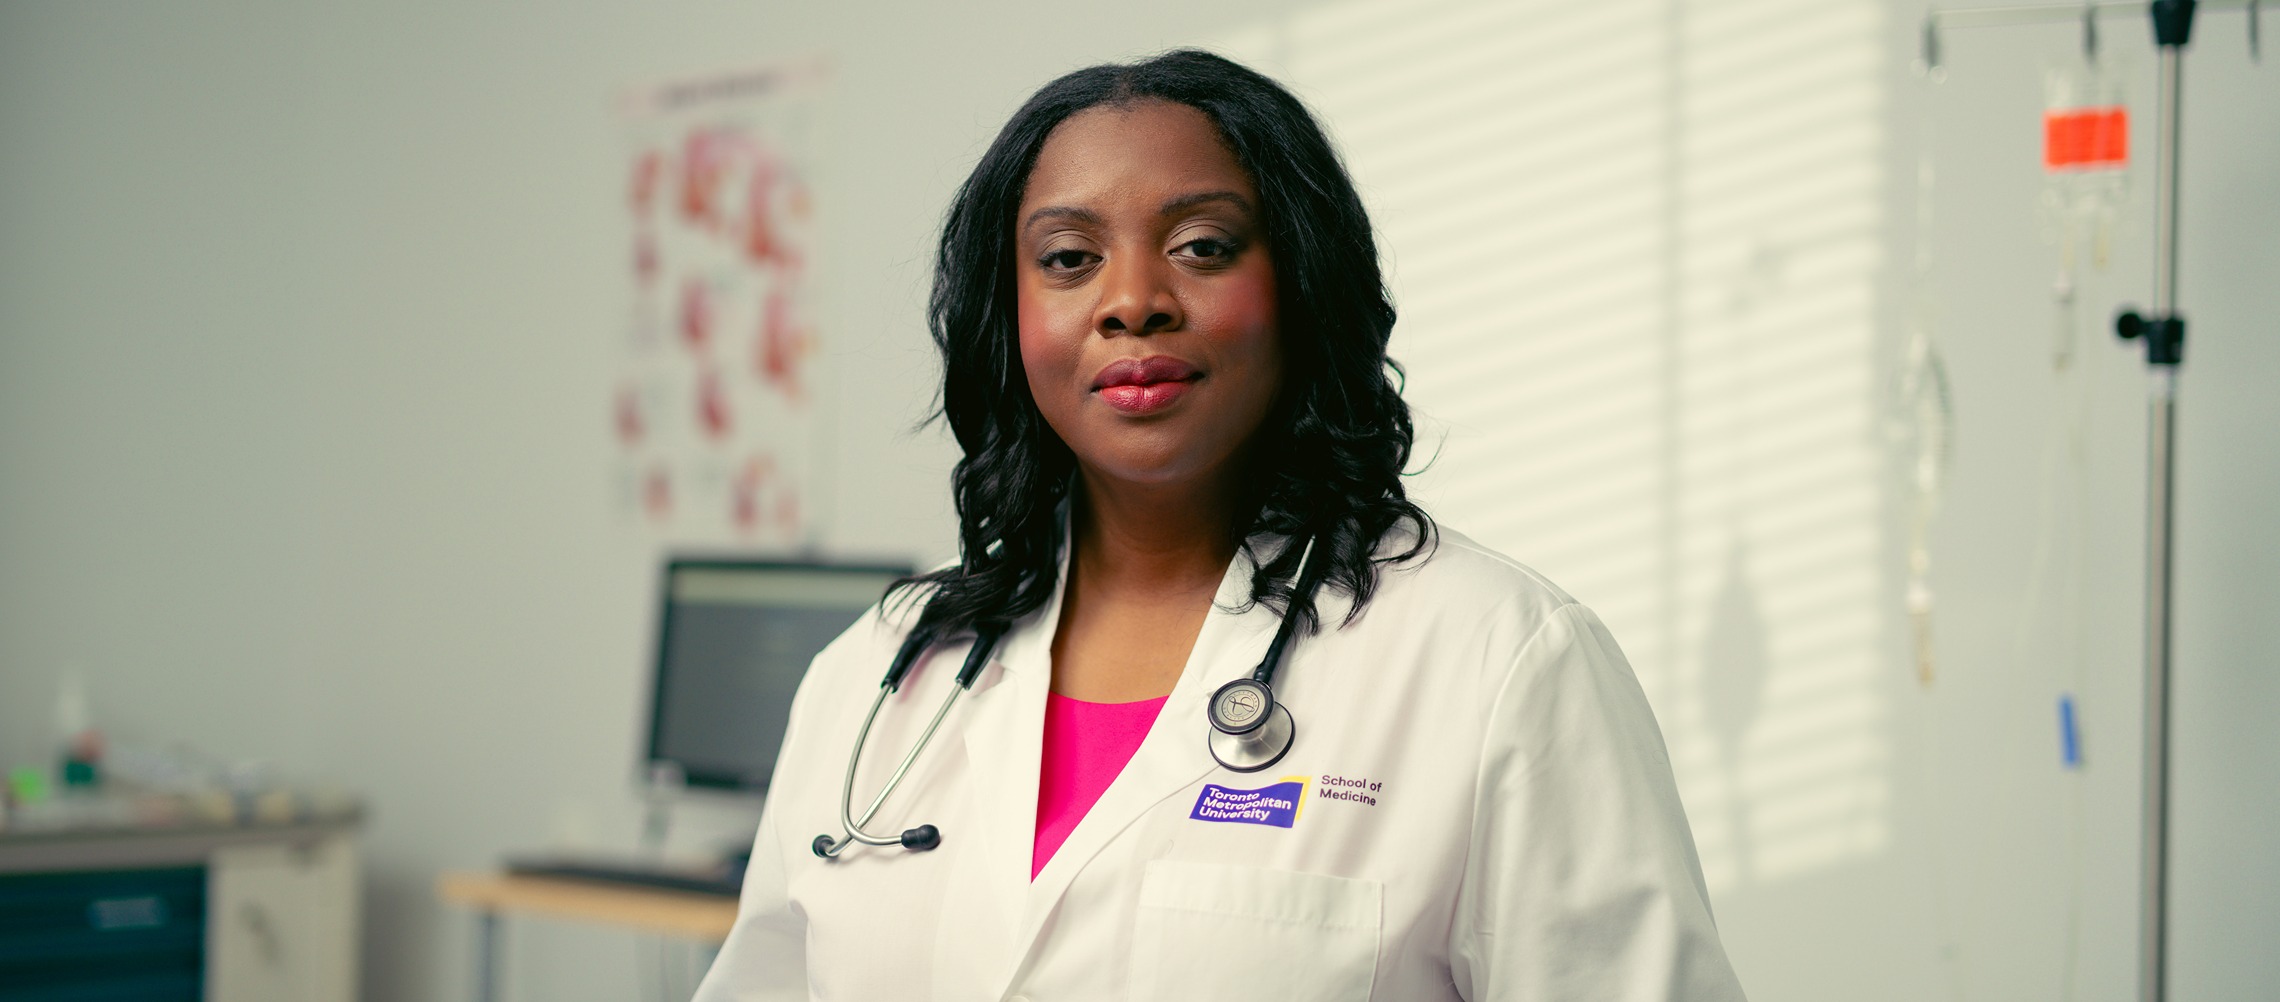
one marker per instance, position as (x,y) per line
(2085,161)
(2086,135)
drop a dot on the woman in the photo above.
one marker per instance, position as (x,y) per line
(1163,332)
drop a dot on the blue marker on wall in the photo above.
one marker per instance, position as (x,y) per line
(2069,741)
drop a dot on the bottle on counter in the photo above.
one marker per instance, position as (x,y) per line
(80,745)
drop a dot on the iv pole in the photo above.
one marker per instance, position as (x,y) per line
(2163,330)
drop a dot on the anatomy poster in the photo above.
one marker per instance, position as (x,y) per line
(714,408)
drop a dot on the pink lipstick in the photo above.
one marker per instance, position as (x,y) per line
(1145,385)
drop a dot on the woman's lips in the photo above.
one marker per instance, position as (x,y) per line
(1143,399)
(1146,385)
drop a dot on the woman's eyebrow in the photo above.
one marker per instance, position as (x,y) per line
(1186,202)
(1068,213)
(1087,217)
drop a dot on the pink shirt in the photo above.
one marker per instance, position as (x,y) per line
(1086,745)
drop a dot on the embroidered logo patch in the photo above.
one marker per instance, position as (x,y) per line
(1276,805)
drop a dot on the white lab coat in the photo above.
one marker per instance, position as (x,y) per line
(1485,811)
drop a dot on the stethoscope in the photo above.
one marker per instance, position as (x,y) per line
(1250,731)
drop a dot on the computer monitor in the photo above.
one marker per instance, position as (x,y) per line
(733,640)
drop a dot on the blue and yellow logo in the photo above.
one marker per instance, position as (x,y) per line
(1278,805)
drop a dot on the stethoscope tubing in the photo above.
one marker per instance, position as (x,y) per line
(985,642)
(925,837)
(854,826)
(1301,585)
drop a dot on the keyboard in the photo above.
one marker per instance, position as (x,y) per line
(724,880)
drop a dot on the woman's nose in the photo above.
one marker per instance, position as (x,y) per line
(1136,298)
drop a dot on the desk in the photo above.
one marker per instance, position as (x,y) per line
(703,917)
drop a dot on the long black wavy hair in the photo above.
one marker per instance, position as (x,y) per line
(1328,462)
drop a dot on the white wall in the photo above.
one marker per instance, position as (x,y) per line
(305,334)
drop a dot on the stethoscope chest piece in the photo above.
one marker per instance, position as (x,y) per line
(1250,730)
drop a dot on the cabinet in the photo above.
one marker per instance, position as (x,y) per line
(227,913)
(281,922)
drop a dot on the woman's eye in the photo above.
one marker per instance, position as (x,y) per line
(1064,260)
(1209,248)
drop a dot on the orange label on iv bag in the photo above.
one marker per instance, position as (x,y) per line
(2086,138)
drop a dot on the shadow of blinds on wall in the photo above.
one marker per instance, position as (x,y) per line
(1634,247)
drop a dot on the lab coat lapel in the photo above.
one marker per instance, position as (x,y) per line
(1004,741)
(1173,756)
(1006,744)
(981,937)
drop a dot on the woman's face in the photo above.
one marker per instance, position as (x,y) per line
(1146,294)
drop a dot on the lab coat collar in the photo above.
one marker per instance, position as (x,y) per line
(1004,741)
(1027,647)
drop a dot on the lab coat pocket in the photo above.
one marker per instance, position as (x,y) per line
(1211,931)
